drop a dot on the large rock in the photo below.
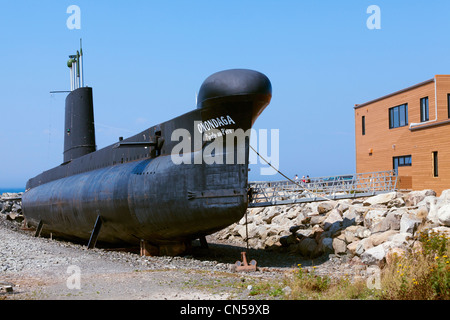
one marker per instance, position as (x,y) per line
(260,232)
(350,234)
(396,203)
(390,222)
(326,206)
(242,231)
(310,209)
(307,247)
(373,217)
(426,202)
(421,212)
(256,243)
(282,220)
(443,215)
(379,238)
(289,240)
(300,218)
(409,223)
(319,233)
(362,232)
(295,212)
(394,254)
(270,214)
(414,197)
(400,240)
(306,233)
(445,231)
(7,207)
(272,242)
(439,208)
(317,219)
(248,218)
(363,245)
(445,195)
(380,199)
(343,205)
(357,210)
(233,230)
(333,218)
(327,245)
(355,233)
(354,216)
(257,211)
(374,255)
(254,231)
(339,245)
(353,246)
(434,206)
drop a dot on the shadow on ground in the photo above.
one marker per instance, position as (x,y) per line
(230,253)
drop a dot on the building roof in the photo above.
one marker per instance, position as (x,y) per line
(394,93)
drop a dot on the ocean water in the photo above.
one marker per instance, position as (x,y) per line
(11,190)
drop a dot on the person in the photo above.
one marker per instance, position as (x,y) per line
(308,180)
(303,179)
(250,194)
(296,178)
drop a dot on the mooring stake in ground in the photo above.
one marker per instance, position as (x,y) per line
(243,265)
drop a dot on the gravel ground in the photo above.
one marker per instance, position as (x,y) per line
(42,269)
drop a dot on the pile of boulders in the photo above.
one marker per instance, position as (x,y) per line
(369,229)
(11,206)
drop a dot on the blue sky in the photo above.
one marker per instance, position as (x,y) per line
(147,59)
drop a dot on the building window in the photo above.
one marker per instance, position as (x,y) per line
(402,161)
(435,164)
(363,125)
(424,112)
(398,116)
(448,105)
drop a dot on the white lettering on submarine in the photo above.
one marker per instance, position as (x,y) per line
(214,123)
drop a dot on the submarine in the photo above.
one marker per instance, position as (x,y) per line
(162,188)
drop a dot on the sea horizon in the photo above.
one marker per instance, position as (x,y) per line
(11,190)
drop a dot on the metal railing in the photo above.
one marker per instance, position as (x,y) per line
(269,193)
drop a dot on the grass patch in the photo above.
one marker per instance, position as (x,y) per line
(306,285)
(420,274)
(267,288)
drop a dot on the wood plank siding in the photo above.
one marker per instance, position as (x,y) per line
(422,141)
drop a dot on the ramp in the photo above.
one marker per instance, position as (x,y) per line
(271,193)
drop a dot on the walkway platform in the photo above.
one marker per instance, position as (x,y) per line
(271,193)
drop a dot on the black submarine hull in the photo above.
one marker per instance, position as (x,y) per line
(174,182)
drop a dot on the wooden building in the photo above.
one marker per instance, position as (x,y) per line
(408,130)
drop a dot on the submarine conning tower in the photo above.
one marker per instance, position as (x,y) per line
(79,131)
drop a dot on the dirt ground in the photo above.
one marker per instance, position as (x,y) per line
(51,269)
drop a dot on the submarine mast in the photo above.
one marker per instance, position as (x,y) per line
(75,65)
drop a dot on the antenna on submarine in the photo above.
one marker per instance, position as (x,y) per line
(81,63)
(75,65)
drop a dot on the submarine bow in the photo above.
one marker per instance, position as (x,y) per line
(171,183)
